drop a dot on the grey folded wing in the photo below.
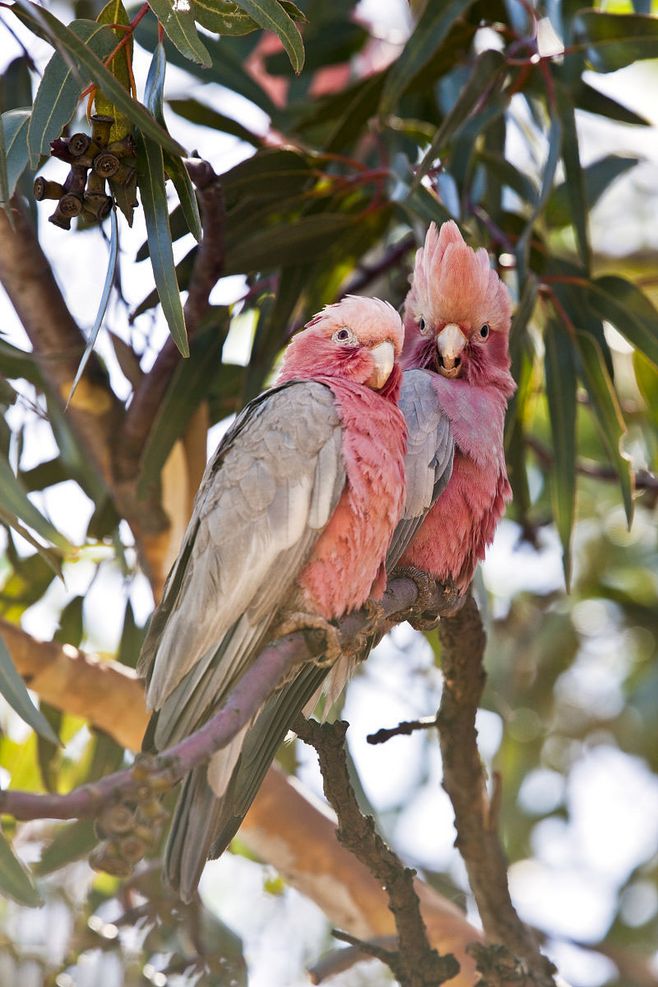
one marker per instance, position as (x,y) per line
(430,452)
(266,495)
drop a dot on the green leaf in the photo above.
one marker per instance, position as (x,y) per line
(13,689)
(304,240)
(431,30)
(227,67)
(176,170)
(591,100)
(71,623)
(646,375)
(112,13)
(13,498)
(59,91)
(132,638)
(102,306)
(49,756)
(178,21)
(188,388)
(15,125)
(597,178)
(574,177)
(272,172)
(613,41)
(487,70)
(223,18)
(270,15)
(548,177)
(50,556)
(204,116)
(72,842)
(15,879)
(607,412)
(510,176)
(630,311)
(42,22)
(561,395)
(5,194)
(150,169)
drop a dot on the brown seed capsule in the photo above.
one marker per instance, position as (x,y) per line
(105,857)
(70,204)
(117,819)
(100,129)
(144,766)
(125,175)
(132,848)
(123,148)
(79,144)
(47,190)
(151,810)
(98,204)
(106,164)
(76,179)
(95,184)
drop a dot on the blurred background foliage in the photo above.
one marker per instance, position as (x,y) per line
(529,124)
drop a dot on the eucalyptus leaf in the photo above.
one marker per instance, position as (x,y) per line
(561,394)
(270,15)
(15,125)
(13,690)
(150,168)
(178,21)
(630,311)
(15,879)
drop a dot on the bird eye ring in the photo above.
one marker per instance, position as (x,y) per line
(345,336)
(484,331)
(422,326)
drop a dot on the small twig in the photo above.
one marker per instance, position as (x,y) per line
(405,728)
(643,479)
(462,648)
(129,30)
(414,963)
(367,274)
(340,960)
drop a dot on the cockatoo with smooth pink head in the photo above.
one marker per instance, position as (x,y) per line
(457,321)
(295,513)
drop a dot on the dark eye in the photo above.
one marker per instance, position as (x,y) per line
(421,325)
(484,331)
(342,335)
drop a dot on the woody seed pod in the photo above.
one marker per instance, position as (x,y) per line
(106,164)
(117,819)
(98,205)
(79,144)
(47,190)
(132,848)
(100,129)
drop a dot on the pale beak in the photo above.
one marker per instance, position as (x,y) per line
(450,343)
(383,358)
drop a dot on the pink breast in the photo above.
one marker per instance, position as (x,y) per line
(346,566)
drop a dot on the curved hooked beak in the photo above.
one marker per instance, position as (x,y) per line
(450,343)
(383,358)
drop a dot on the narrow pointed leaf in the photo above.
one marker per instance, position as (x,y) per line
(15,879)
(574,176)
(102,305)
(488,67)
(270,15)
(5,194)
(630,311)
(13,497)
(305,240)
(592,101)
(613,41)
(58,94)
(205,116)
(43,23)
(14,691)
(150,167)
(72,841)
(561,395)
(177,18)
(646,374)
(15,124)
(49,555)
(176,170)
(607,413)
(548,177)
(597,178)
(430,32)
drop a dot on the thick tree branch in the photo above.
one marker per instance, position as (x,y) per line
(463,642)
(414,962)
(207,270)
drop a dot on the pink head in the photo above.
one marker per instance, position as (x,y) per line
(457,313)
(357,339)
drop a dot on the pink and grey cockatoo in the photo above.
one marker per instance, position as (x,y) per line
(453,396)
(457,321)
(295,513)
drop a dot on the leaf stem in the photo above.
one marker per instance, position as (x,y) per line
(129,31)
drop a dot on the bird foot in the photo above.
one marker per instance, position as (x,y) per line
(373,629)
(300,621)
(422,616)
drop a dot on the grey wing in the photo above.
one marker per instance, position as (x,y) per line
(266,496)
(428,463)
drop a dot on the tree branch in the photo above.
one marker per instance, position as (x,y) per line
(292,832)
(208,267)
(463,642)
(414,963)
